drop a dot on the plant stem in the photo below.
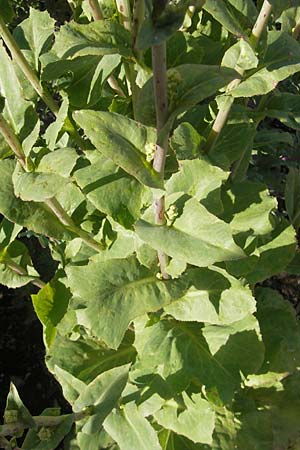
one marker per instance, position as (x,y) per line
(224,112)
(21,271)
(159,65)
(12,429)
(14,143)
(138,16)
(123,7)
(96,10)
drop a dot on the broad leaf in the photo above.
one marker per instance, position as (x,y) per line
(220,11)
(81,78)
(38,187)
(214,356)
(282,60)
(34,35)
(130,429)
(18,112)
(14,405)
(50,305)
(123,141)
(111,190)
(16,268)
(213,297)
(72,387)
(115,292)
(188,85)
(61,161)
(286,108)
(36,217)
(102,394)
(193,419)
(96,38)
(196,237)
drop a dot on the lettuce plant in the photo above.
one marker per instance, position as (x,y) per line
(136,173)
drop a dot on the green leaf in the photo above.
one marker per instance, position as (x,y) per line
(192,418)
(8,232)
(102,394)
(220,12)
(292,196)
(246,7)
(85,358)
(123,141)
(188,85)
(240,56)
(17,111)
(282,60)
(214,356)
(213,297)
(81,78)
(111,190)
(53,131)
(280,331)
(72,387)
(56,435)
(248,206)
(11,276)
(37,187)
(50,305)
(96,38)
(199,179)
(114,293)
(130,429)
(286,108)
(14,403)
(186,142)
(35,217)
(7,11)
(34,35)
(274,256)
(61,161)
(196,237)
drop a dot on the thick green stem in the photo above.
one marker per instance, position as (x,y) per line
(159,64)
(13,429)
(224,112)
(15,145)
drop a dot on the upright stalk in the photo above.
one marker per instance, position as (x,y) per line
(15,145)
(222,116)
(159,64)
(123,7)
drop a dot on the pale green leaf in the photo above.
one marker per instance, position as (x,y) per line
(186,141)
(35,217)
(38,187)
(240,56)
(52,133)
(194,419)
(72,387)
(34,34)
(213,297)
(220,11)
(196,237)
(96,38)
(115,292)
(131,430)
(188,85)
(85,358)
(102,394)
(123,141)
(281,61)
(81,78)
(179,352)
(61,161)
(111,190)
(14,403)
